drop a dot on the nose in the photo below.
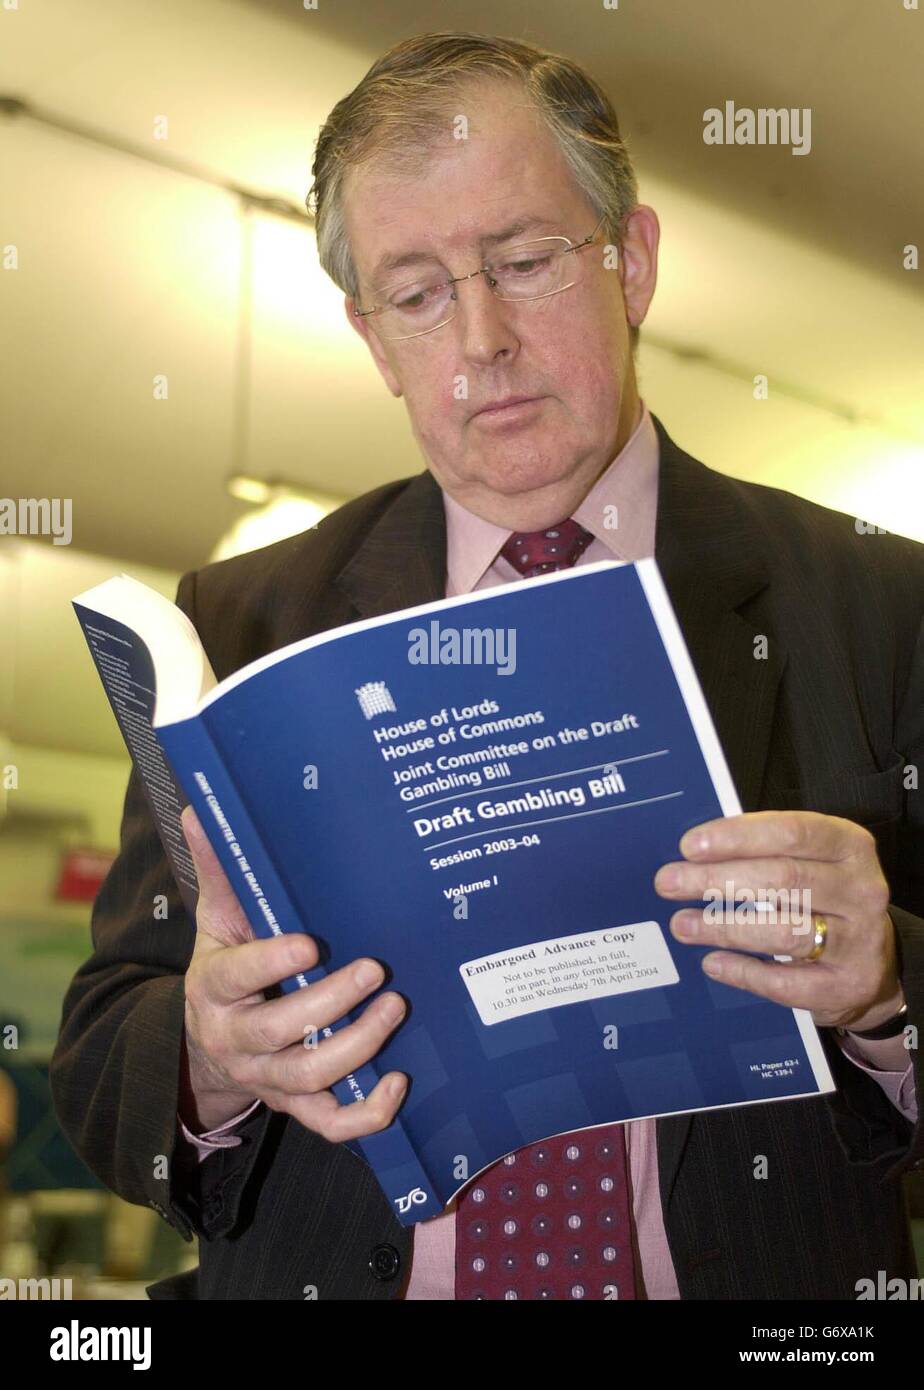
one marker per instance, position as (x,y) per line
(484,321)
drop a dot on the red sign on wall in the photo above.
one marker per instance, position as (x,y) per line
(81,874)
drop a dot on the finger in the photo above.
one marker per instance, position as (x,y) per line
(802,834)
(300,1070)
(271,1025)
(795,938)
(324,1115)
(218,907)
(797,986)
(790,887)
(235,973)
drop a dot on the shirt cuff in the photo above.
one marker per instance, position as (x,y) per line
(887,1062)
(218,1138)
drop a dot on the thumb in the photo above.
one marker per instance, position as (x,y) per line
(218,913)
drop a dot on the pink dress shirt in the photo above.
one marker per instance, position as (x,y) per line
(620,511)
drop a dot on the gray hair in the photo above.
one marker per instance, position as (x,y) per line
(405,97)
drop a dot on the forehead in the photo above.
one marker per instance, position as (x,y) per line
(506,178)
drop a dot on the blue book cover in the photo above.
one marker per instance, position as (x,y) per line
(477,792)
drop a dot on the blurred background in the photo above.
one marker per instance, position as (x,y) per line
(178,366)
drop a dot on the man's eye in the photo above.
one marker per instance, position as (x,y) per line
(525,265)
(410,300)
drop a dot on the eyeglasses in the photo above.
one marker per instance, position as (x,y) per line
(530,270)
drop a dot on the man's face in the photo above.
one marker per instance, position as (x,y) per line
(530,465)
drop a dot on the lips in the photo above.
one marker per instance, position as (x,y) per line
(506,401)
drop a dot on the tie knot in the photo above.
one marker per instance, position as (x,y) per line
(540,552)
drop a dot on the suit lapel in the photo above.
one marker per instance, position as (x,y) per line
(402,562)
(712,556)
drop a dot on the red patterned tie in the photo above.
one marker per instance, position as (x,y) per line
(541,552)
(550,1221)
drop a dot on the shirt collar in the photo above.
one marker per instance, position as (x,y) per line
(624,494)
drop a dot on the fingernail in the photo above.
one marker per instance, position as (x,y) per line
(668,877)
(397,1087)
(393,1008)
(368,974)
(687,924)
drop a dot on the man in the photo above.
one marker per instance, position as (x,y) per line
(498,168)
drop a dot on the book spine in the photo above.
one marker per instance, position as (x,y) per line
(249,867)
(126,670)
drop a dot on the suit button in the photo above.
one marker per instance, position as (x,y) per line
(385,1262)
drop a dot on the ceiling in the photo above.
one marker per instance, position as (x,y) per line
(857,64)
(128,271)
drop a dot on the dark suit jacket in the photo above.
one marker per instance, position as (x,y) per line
(828,721)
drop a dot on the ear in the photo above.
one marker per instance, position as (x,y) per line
(374,344)
(639,262)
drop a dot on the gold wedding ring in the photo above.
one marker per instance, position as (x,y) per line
(821,938)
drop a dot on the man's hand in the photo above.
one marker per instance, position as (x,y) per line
(854,984)
(241,1046)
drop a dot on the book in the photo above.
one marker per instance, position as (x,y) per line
(478,792)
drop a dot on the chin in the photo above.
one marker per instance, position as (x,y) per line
(512,477)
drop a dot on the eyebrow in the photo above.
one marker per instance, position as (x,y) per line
(388,263)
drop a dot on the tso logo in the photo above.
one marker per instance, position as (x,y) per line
(412,1198)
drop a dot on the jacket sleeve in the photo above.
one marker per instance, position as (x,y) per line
(868,1125)
(115,1073)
